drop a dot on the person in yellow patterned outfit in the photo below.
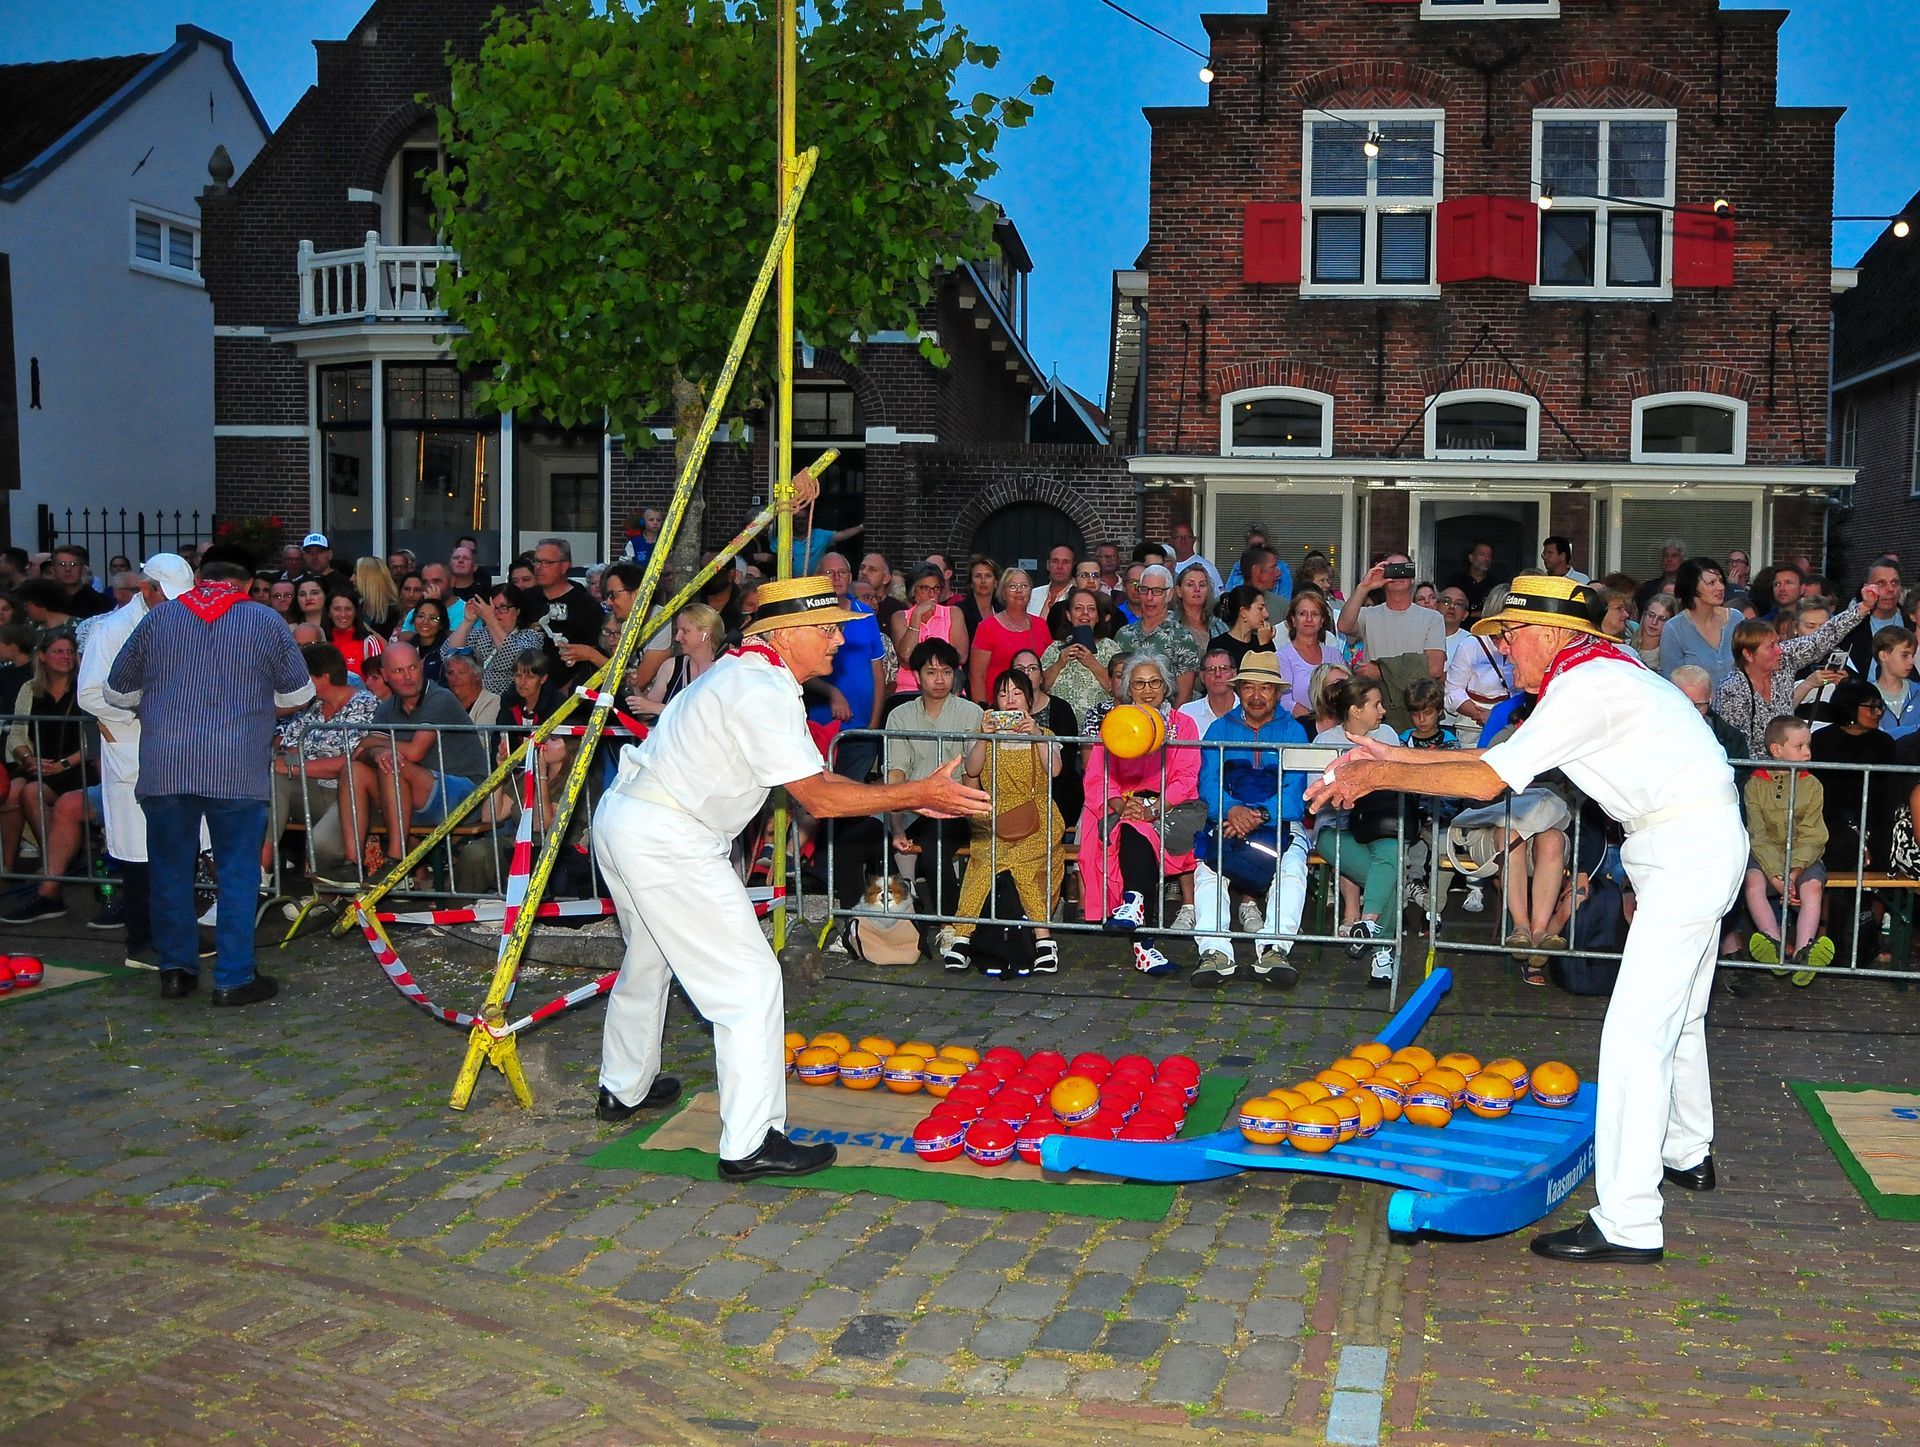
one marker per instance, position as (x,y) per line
(1023,836)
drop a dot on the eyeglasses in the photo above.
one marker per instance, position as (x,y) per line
(539,562)
(1874,706)
(1453,602)
(1146,592)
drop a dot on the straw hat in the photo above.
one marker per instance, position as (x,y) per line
(798,603)
(1548,603)
(1260,667)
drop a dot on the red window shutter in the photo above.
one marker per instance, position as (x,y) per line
(1702,249)
(1270,249)
(1513,239)
(1460,248)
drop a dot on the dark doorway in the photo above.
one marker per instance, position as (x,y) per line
(1512,528)
(1021,535)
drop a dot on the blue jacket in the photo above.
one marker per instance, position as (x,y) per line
(1249,776)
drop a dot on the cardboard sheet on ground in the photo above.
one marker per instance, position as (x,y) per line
(59,977)
(1874,1131)
(874,1133)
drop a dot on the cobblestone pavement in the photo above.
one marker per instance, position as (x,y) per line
(269,1220)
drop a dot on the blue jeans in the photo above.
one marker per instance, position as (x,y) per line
(238,828)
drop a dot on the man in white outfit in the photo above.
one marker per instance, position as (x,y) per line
(165,576)
(662,836)
(1632,742)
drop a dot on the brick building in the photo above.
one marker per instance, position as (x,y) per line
(338,405)
(1423,273)
(1876,398)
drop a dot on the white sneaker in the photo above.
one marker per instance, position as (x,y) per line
(1131,914)
(1417,895)
(1183,919)
(943,942)
(1249,918)
(1149,961)
(1046,957)
(1360,931)
(1380,972)
(1476,899)
(956,955)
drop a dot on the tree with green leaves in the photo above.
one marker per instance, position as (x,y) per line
(611,180)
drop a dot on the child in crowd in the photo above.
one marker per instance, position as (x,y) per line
(1426,702)
(1795,879)
(1893,675)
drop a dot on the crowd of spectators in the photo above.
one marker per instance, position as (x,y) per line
(412,664)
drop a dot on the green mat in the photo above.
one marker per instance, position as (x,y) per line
(1881,1123)
(1118,1201)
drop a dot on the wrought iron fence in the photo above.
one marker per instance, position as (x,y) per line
(109,532)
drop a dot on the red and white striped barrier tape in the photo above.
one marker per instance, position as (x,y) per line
(401,978)
(621,718)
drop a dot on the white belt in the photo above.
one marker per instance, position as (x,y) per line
(637,787)
(1695,804)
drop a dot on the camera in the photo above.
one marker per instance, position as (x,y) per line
(1838,660)
(1397,570)
(1003,718)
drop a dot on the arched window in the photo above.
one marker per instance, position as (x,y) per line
(1276,422)
(1701,427)
(1483,425)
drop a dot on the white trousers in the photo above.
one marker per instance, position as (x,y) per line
(683,910)
(125,820)
(1286,901)
(1655,1096)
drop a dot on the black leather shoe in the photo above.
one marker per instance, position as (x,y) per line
(178,984)
(1586,1243)
(664,1091)
(260,987)
(779,1156)
(1693,1178)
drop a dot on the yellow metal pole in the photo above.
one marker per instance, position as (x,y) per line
(783,412)
(484,1046)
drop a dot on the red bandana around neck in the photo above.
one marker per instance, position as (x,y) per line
(1586,650)
(758,650)
(212,600)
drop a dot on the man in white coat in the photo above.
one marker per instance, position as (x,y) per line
(1634,745)
(165,576)
(662,836)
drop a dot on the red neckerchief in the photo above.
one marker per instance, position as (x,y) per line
(1586,650)
(757,650)
(210,601)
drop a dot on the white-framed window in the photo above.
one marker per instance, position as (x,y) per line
(1276,422)
(164,244)
(1847,447)
(1608,231)
(1483,425)
(1702,427)
(1488,9)
(1367,221)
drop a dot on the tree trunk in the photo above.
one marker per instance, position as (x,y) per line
(689,410)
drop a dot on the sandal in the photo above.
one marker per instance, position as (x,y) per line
(1533,971)
(1521,943)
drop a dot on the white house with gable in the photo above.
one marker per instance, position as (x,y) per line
(107,365)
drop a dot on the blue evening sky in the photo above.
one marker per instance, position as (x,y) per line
(1075,180)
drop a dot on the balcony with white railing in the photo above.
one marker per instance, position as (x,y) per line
(373,282)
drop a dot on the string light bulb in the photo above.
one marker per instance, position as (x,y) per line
(1371,145)
(1902,227)
(1206,71)
(1545,203)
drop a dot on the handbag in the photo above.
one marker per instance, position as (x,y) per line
(1018,822)
(1905,863)
(882,941)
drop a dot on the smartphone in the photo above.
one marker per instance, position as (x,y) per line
(1002,718)
(1398,570)
(1838,659)
(1083,636)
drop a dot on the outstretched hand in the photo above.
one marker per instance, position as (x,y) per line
(941,796)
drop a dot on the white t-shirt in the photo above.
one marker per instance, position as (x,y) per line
(1626,737)
(728,739)
(1202,714)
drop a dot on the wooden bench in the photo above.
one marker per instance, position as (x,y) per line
(1899,892)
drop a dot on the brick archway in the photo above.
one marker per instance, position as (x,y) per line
(370,166)
(1029,487)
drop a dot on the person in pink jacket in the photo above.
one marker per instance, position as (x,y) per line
(1121,855)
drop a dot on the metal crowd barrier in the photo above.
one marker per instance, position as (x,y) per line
(1304,758)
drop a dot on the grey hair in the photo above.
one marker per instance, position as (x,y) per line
(565,547)
(1146,658)
(1690,673)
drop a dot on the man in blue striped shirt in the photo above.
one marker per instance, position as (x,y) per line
(206,673)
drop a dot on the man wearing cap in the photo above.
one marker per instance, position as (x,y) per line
(662,836)
(317,557)
(1248,843)
(165,576)
(1158,631)
(1638,749)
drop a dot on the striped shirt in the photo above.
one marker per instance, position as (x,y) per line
(206,695)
